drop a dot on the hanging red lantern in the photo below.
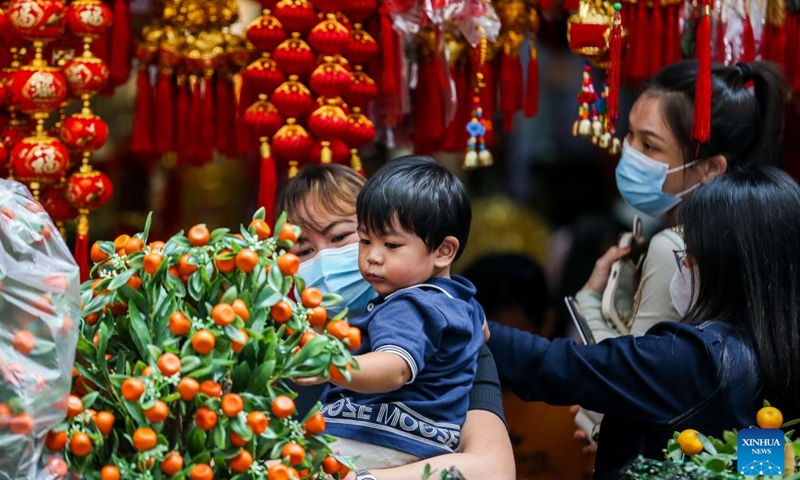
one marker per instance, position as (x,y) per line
(327,6)
(263,75)
(361,48)
(296,15)
(37,20)
(85,75)
(292,142)
(330,79)
(294,56)
(360,10)
(37,89)
(39,159)
(55,202)
(339,151)
(362,91)
(89,18)
(329,37)
(292,99)
(360,131)
(328,122)
(88,189)
(266,32)
(263,118)
(84,131)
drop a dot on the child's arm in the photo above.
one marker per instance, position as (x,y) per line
(379,372)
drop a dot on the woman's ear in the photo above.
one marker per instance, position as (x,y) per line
(714,167)
(446,252)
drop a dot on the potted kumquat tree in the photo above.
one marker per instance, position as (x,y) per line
(183,358)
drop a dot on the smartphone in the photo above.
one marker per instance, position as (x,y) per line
(580,323)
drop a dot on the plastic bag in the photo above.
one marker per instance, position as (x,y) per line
(476,19)
(39,315)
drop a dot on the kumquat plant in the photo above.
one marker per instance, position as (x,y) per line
(183,358)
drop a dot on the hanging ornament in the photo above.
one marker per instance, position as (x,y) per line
(330,79)
(84,131)
(329,37)
(89,18)
(359,11)
(266,32)
(360,133)
(701,126)
(477,154)
(294,56)
(292,143)
(39,160)
(293,99)
(37,20)
(264,121)
(263,75)
(328,123)
(362,47)
(339,151)
(296,16)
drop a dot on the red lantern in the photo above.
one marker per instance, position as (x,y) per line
(41,20)
(362,91)
(89,18)
(37,90)
(361,48)
(84,131)
(296,15)
(292,142)
(266,33)
(339,152)
(360,10)
(360,131)
(13,133)
(292,99)
(88,190)
(327,6)
(85,75)
(263,118)
(56,204)
(263,75)
(328,122)
(329,37)
(39,159)
(294,56)
(330,79)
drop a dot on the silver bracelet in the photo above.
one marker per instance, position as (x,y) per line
(365,475)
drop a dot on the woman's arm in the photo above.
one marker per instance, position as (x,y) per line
(655,301)
(590,298)
(486,453)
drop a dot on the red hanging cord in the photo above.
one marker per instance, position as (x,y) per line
(164,116)
(701,128)
(142,138)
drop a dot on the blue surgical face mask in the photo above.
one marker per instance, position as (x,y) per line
(640,181)
(335,270)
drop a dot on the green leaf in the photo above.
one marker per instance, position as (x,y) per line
(121,279)
(716,465)
(279,224)
(129,296)
(189,363)
(89,399)
(107,247)
(196,441)
(155,352)
(218,233)
(261,376)
(196,285)
(730,436)
(341,314)
(239,426)
(275,278)
(299,284)
(139,332)
(707,445)
(791,423)
(331,299)
(260,214)
(147,224)
(268,297)
(218,434)
(229,296)
(234,334)
(241,377)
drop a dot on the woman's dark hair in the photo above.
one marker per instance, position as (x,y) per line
(743,123)
(742,232)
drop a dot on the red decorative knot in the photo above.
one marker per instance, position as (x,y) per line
(37,90)
(88,189)
(266,32)
(361,48)
(329,37)
(41,20)
(360,10)
(263,75)
(292,142)
(39,159)
(361,131)
(201,62)
(292,99)
(294,56)
(84,131)
(362,91)
(328,122)
(55,202)
(296,15)
(263,118)
(85,75)
(330,79)
(89,18)
(339,151)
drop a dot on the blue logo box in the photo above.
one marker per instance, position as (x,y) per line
(760,451)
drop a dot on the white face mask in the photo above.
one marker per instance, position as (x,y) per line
(680,289)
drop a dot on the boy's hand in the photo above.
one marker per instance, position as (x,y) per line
(309,381)
(486,332)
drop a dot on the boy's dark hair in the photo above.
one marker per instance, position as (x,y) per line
(428,200)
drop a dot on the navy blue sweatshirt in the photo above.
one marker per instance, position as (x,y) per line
(677,376)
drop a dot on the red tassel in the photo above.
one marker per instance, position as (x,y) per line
(511,91)
(795,60)
(429,129)
(452,136)
(672,47)
(82,247)
(779,55)
(119,64)
(182,120)
(225,133)
(164,131)
(206,152)
(641,63)
(268,183)
(629,18)
(142,138)
(532,92)
(100,48)
(656,39)
(390,85)
(766,41)
(615,46)
(245,142)
(193,146)
(489,102)
(720,50)
(748,41)
(701,129)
